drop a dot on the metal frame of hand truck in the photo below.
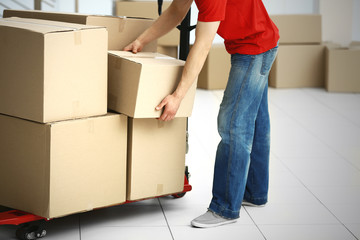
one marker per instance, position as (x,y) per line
(30,228)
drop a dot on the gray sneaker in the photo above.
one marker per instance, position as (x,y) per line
(210,219)
(249,204)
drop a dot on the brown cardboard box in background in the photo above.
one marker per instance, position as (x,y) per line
(171,51)
(139,82)
(298,66)
(298,28)
(216,69)
(52,71)
(156,157)
(355,44)
(60,168)
(343,69)
(148,9)
(122,31)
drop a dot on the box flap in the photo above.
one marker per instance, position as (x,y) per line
(29,13)
(126,54)
(61,15)
(147,58)
(43,26)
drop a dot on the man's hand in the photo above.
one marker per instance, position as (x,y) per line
(170,104)
(135,46)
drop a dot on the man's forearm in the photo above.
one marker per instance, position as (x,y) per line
(205,33)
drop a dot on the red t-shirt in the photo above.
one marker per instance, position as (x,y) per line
(245,24)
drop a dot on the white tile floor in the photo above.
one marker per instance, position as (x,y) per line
(314,183)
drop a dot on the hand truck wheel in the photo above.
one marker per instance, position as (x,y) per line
(30,232)
(187,175)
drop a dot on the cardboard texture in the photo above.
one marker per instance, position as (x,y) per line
(298,28)
(156,157)
(148,9)
(171,51)
(298,66)
(122,30)
(343,69)
(139,82)
(52,71)
(56,169)
(216,69)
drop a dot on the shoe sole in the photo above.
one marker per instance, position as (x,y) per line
(204,225)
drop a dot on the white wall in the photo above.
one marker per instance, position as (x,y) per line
(356,21)
(66,5)
(290,6)
(25,4)
(341,18)
(103,7)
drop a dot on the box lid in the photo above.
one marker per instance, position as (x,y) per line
(148,58)
(68,16)
(43,26)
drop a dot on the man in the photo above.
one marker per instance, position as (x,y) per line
(242,160)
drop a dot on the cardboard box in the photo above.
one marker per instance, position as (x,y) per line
(171,51)
(298,28)
(148,9)
(122,30)
(355,44)
(52,71)
(343,69)
(298,66)
(139,82)
(156,157)
(216,69)
(60,168)
(338,20)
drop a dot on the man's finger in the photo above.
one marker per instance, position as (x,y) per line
(161,105)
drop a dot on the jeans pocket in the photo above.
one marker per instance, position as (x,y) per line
(268,60)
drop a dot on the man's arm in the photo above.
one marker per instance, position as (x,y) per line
(204,36)
(168,20)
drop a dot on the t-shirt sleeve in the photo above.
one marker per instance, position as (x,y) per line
(211,10)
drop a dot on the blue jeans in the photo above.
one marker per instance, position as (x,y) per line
(242,157)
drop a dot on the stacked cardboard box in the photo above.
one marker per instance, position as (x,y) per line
(52,71)
(167,44)
(61,152)
(156,150)
(301,55)
(54,121)
(59,168)
(342,68)
(122,30)
(216,69)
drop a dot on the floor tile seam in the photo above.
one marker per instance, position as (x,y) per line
(263,235)
(318,101)
(323,104)
(299,158)
(166,220)
(323,204)
(321,140)
(332,109)
(300,224)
